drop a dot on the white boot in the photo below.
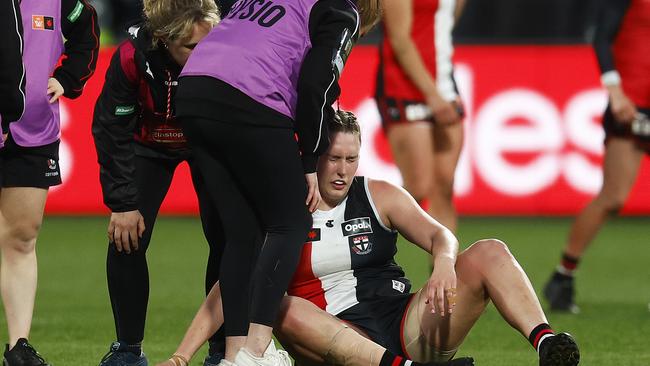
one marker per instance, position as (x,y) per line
(225,362)
(271,357)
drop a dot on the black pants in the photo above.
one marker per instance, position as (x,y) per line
(128,274)
(255,176)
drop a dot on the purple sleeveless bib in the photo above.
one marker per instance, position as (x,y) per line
(258,48)
(43,48)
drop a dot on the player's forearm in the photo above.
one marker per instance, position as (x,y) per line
(206,322)
(444,246)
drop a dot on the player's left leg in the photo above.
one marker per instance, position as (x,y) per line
(21,216)
(448,143)
(486,271)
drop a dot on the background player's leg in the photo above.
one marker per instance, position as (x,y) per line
(128,274)
(21,216)
(620,168)
(412,147)
(448,143)
(621,165)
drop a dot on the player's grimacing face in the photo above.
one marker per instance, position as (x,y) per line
(181,49)
(338,166)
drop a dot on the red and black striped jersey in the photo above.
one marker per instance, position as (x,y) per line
(433,22)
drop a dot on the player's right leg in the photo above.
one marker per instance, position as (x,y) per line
(21,215)
(621,165)
(485,271)
(128,273)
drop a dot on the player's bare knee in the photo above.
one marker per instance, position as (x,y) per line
(418,187)
(613,205)
(290,318)
(490,251)
(22,236)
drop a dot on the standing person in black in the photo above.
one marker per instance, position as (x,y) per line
(269,70)
(139,145)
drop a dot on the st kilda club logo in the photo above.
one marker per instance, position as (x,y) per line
(41,22)
(361,244)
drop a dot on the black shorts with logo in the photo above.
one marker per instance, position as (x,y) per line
(613,128)
(36,166)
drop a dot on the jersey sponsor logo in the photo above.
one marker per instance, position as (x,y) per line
(313,235)
(264,12)
(41,22)
(361,245)
(357,226)
(398,286)
(124,110)
(76,12)
(329,223)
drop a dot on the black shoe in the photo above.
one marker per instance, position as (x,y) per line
(119,355)
(560,292)
(559,350)
(23,354)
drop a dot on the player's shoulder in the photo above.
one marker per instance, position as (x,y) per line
(381,190)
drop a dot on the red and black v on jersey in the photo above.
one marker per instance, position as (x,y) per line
(349,256)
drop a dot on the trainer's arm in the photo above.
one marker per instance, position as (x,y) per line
(113,127)
(333,30)
(399,211)
(81,30)
(12,73)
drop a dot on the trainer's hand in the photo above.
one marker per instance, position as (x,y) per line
(55,89)
(313,194)
(444,112)
(441,288)
(124,229)
(622,107)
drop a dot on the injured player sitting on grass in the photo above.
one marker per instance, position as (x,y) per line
(349,303)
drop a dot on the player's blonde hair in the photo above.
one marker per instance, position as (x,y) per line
(346,122)
(370,14)
(170,20)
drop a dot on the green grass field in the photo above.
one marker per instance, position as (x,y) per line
(73,323)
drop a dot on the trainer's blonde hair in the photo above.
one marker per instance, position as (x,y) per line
(369,14)
(173,19)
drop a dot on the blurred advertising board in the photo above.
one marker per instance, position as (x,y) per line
(533,141)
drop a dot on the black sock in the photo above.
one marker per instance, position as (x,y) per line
(538,335)
(136,349)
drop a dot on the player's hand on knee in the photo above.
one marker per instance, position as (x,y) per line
(441,287)
(125,229)
(313,194)
(55,89)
